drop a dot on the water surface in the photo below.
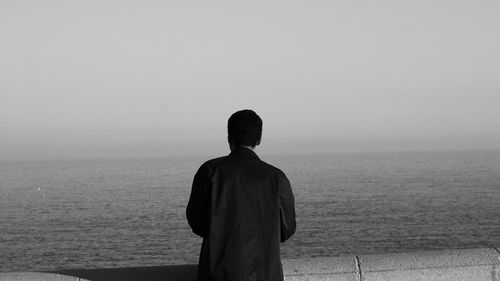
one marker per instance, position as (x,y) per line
(131,212)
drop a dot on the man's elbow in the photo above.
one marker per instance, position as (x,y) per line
(288,231)
(200,232)
(198,227)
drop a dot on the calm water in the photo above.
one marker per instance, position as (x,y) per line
(115,213)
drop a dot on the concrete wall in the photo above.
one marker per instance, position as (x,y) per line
(467,265)
(447,265)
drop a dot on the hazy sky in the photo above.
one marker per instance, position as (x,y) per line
(145,78)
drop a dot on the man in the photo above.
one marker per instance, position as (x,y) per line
(242,207)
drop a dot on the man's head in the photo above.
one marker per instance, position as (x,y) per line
(244,128)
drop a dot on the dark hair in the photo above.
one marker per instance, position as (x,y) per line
(244,127)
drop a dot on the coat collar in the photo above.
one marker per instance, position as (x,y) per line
(244,151)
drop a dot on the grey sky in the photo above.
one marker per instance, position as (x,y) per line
(106,78)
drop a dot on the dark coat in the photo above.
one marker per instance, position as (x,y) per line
(243,208)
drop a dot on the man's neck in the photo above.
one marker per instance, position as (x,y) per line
(234,147)
(248,147)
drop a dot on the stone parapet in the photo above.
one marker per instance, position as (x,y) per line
(444,265)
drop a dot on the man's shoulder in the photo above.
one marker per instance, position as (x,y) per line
(226,160)
(272,168)
(214,161)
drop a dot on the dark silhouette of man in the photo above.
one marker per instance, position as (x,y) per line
(242,207)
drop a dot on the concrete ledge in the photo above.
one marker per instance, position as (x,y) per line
(37,276)
(334,268)
(150,273)
(467,264)
(447,265)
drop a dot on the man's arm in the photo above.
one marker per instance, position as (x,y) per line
(197,210)
(287,208)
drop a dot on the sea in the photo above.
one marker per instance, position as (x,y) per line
(104,213)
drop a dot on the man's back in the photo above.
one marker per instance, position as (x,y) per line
(243,208)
